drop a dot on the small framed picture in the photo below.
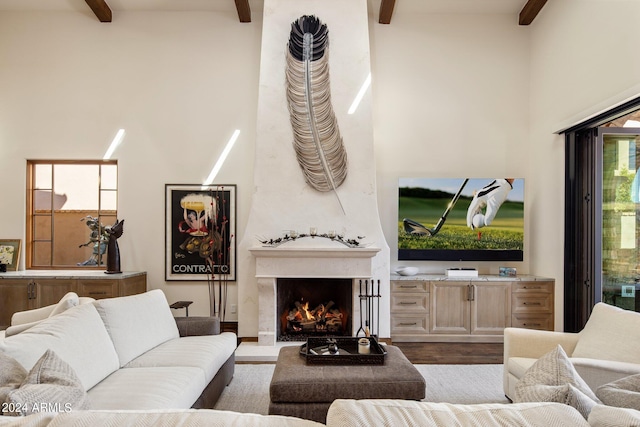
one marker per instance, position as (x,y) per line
(10,253)
(507,272)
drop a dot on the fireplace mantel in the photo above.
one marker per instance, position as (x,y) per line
(314,262)
(310,252)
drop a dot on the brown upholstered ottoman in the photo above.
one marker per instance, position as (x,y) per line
(307,391)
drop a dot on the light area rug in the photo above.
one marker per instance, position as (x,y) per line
(467,384)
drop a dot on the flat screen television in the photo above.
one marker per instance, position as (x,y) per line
(461,219)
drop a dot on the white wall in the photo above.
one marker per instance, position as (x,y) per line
(583,60)
(178,82)
(453,94)
(451,99)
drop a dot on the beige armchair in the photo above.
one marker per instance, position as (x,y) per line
(607,349)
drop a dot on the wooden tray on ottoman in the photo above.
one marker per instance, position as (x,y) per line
(316,352)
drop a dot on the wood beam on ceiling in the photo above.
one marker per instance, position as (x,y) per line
(530,11)
(386,11)
(244,11)
(101,9)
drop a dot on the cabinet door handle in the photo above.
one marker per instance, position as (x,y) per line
(531,324)
(408,287)
(408,303)
(98,293)
(532,287)
(531,303)
(408,324)
(31,290)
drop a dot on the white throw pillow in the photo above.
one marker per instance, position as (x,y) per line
(21,321)
(50,386)
(552,378)
(77,335)
(11,376)
(623,393)
(137,323)
(70,299)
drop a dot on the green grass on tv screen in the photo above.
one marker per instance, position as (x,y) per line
(506,232)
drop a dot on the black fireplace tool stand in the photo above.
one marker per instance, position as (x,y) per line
(369,308)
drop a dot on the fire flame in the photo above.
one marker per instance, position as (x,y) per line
(307,313)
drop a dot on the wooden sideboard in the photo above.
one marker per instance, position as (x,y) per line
(26,290)
(437,308)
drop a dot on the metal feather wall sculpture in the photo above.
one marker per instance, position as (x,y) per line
(316,137)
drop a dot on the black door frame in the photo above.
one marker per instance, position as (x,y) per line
(583,166)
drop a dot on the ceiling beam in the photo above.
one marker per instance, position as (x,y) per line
(386,11)
(101,9)
(244,11)
(530,11)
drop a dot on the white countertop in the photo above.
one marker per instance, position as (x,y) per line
(488,277)
(68,274)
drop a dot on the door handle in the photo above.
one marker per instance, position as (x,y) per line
(470,292)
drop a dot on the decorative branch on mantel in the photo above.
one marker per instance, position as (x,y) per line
(291,236)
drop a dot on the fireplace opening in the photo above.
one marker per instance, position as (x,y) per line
(311,307)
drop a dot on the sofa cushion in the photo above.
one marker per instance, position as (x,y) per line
(137,323)
(77,335)
(23,320)
(609,416)
(169,417)
(50,386)
(149,388)
(346,413)
(207,352)
(624,393)
(16,329)
(11,376)
(518,366)
(41,419)
(611,333)
(552,378)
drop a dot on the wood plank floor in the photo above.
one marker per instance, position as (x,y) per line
(442,353)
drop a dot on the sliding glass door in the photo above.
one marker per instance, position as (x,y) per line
(602,213)
(617,251)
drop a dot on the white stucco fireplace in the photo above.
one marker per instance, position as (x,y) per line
(282,201)
(305,262)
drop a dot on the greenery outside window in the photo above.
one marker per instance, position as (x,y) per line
(69,202)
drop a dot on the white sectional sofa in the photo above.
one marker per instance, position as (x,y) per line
(606,350)
(128,353)
(350,413)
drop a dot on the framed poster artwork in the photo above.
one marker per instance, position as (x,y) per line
(200,232)
(10,253)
